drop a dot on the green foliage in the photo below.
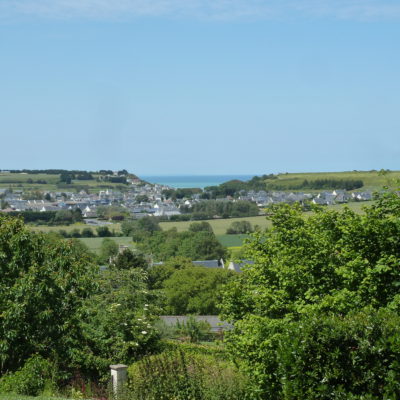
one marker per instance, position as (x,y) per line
(61,217)
(103,231)
(128,259)
(109,249)
(29,379)
(200,227)
(159,273)
(194,245)
(240,227)
(193,329)
(211,208)
(195,290)
(118,320)
(307,271)
(140,228)
(43,286)
(318,184)
(181,376)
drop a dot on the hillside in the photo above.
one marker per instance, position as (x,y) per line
(372,180)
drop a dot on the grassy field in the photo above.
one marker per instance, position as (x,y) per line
(220,226)
(372,180)
(94,244)
(22,181)
(231,240)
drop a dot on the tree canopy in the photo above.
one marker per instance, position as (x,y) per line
(333,268)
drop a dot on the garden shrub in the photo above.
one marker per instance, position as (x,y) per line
(181,376)
(31,379)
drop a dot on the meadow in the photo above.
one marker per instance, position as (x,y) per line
(373,180)
(28,182)
(220,226)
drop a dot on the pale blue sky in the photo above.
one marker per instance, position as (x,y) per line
(200,87)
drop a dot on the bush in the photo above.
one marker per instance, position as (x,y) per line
(181,376)
(28,380)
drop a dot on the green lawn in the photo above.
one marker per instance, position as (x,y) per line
(94,244)
(232,240)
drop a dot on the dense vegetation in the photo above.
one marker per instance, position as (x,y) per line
(223,209)
(318,184)
(320,305)
(61,217)
(59,310)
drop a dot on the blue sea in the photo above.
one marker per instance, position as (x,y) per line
(193,181)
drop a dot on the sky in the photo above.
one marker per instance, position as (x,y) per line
(181,87)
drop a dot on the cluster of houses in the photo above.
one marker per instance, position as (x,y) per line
(264,199)
(147,199)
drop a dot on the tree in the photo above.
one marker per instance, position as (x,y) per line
(200,227)
(333,268)
(194,245)
(118,320)
(108,250)
(239,227)
(103,231)
(43,286)
(159,273)
(128,260)
(195,290)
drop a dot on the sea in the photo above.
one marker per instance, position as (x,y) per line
(193,181)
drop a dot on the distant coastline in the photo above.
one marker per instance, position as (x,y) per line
(193,181)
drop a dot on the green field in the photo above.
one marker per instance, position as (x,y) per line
(220,226)
(94,244)
(232,240)
(372,180)
(20,181)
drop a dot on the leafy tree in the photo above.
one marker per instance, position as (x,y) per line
(200,227)
(118,320)
(103,231)
(128,259)
(159,273)
(194,245)
(109,249)
(43,286)
(331,268)
(87,233)
(195,290)
(141,228)
(239,227)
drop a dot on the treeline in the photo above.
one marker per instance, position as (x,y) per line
(233,187)
(180,193)
(225,209)
(101,231)
(47,171)
(319,184)
(61,217)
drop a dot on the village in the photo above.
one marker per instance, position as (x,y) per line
(146,199)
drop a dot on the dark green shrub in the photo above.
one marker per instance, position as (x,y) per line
(28,380)
(180,376)
(323,357)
